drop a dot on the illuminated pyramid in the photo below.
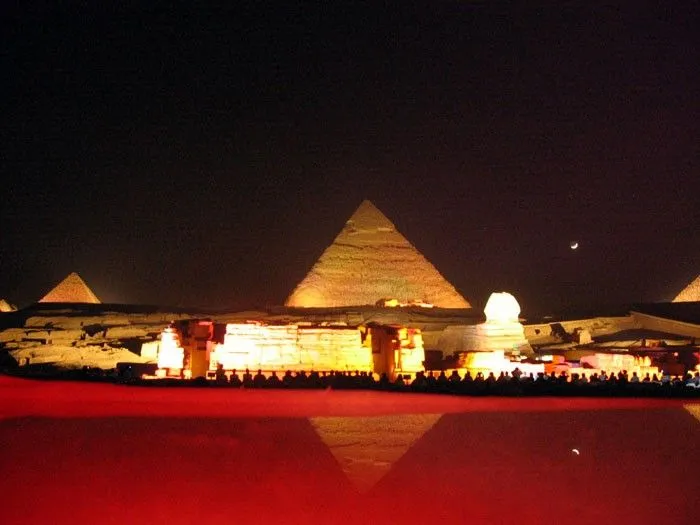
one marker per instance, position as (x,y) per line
(6,307)
(690,292)
(72,289)
(369,261)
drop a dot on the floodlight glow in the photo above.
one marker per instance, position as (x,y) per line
(502,307)
(170,353)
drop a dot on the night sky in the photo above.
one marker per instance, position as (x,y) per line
(198,157)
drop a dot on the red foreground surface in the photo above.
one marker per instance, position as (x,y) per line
(99,453)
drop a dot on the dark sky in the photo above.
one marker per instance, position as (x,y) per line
(190,156)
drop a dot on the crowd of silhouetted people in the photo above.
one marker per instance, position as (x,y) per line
(454,382)
(457,382)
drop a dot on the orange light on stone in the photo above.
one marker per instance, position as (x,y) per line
(411,350)
(170,354)
(496,362)
(291,347)
(616,363)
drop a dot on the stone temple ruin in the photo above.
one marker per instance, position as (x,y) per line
(372,303)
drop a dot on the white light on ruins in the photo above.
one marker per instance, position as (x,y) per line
(170,354)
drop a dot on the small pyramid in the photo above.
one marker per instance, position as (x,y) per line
(6,307)
(690,292)
(72,289)
(368,261)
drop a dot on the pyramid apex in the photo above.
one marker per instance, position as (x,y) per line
(72,289)
(690,292)
(368,218)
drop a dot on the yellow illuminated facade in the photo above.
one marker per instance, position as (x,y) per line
(255,345)
(291,347)
(171,356)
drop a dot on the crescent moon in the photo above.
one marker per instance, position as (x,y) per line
(574,245)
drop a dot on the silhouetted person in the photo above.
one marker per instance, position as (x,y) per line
(384,381)
(366,380)
(273,381)
(259,380)
(324,379)
(247,379)
(234,380)
(441,381)
(301,380)
(337,380)
(314,379)
(622,378)
(220,375)
(419,383)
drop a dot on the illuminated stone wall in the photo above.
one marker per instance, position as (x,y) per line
(619,362)
(412,351)
(608,363)
(170,354)
(541,333)
(496,362)
(669,326)
(291,347)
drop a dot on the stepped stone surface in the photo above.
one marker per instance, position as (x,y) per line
(370,260)
(690,292)
(72,289)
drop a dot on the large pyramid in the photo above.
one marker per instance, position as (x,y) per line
(690,292)
(72,289)
(370,260)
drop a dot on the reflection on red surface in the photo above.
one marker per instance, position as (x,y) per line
(89,453)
